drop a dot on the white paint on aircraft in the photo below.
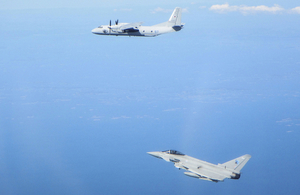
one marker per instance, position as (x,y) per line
(136,29)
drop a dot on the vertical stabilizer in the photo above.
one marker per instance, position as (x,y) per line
(174,21)
(237,164)
(175,18)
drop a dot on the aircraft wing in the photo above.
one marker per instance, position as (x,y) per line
(131,27)
(208,174)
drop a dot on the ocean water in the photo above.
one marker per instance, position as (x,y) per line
(78,112)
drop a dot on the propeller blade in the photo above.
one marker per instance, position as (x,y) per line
(109,27)
(117,22)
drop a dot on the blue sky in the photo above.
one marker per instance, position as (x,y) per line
(34,4)
(80,111)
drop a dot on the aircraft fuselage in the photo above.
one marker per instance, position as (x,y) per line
(147,31)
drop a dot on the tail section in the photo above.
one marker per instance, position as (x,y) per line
(175,18)
(174,21)
(237,164)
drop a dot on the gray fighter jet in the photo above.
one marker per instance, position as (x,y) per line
(204,170)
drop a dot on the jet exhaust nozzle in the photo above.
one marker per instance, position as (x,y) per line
(236,176)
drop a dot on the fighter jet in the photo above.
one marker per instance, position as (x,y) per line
(136,29)
(203,170)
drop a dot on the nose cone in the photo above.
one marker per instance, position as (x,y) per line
(155,154)
(95,30)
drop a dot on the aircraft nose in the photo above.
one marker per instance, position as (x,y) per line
(155,154)
(94,30)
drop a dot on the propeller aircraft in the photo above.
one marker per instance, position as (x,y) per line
(136,29)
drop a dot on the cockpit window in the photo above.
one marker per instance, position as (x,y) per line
(100,27)
(173,152)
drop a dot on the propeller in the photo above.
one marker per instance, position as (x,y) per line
(109,27)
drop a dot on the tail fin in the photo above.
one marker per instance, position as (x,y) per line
(174,21)
(237,164)
(175,18)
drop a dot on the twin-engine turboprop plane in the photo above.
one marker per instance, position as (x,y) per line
(204,170)
(136,29)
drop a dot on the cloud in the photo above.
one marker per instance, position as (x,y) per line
(171,109)
(185,10)
(224,8)
(96,118)
(289,122)
(284,120)
(121,117)
(296,10)
(159,9)
(62,100)
(123,10)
